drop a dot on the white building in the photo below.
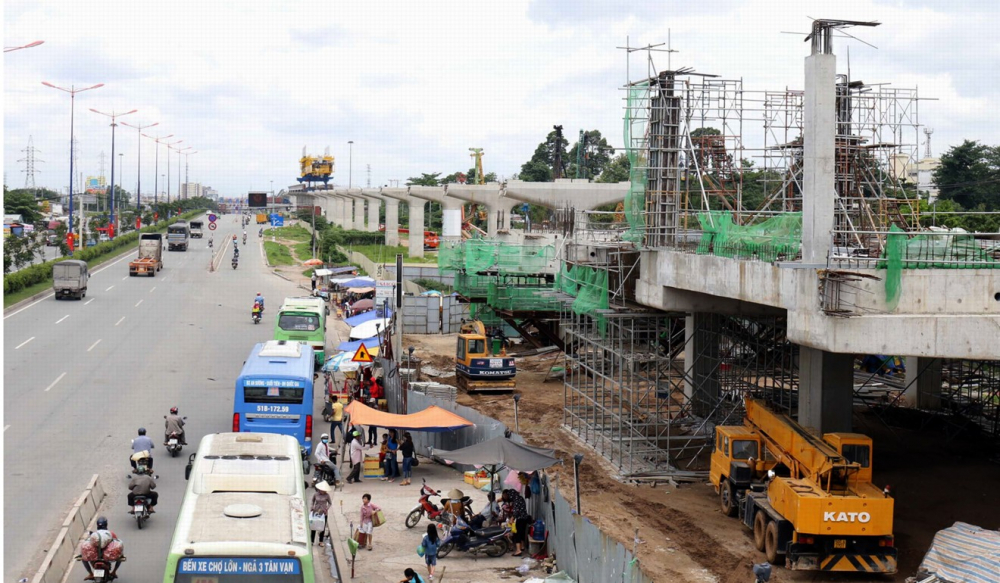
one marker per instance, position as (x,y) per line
(210,192)
(190,190)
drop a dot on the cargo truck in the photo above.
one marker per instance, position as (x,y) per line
(177,236)
(810,501)
(150,259)
(195,227)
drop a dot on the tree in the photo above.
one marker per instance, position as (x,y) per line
(617,170)
(424,180)
(536,171)
(22,202)
(969,175)
(540,167)
(594,157)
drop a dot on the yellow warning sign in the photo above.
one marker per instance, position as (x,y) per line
(362,355)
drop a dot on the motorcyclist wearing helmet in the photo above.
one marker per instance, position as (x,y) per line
(174,424)
(259,301)
(101,537)
(211,239)
(327,457)
(142,444)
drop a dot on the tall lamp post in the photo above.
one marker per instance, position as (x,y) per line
(138,163)
(121,171)
(156,169)
(179,152)
(186,154)
(169,146)
(114,116)
(72,109)
(350,165)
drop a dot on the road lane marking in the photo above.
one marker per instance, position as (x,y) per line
(63,318)
(40,300)
(5,428)
(137,303)
(109,289)
(55,381)
(119,321)
(88,301)
(94,344)
(152,290)
(124,278)
(25,342)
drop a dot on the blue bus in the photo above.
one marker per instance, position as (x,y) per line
(274,392)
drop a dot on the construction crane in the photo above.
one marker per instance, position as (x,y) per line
(314,168)
(809,500)
(477,154)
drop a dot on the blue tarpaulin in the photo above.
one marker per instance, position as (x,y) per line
(352,347)
(358,282)
(362,318)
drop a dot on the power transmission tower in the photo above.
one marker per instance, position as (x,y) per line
(29,160)
(368,181)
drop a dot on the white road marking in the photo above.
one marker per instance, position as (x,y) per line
(94,344)
(88,301)
(55,381)
(124,278)
(152,290)
(137,303)
(25,342)
(6,427)
(119,321)
(63,318)
(40,300)
(109,289)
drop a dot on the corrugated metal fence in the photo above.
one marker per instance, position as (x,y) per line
(433,314)
(581,549)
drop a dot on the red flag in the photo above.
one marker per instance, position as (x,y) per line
(69,241)
(138,223)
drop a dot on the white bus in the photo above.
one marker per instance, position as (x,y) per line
(244,517)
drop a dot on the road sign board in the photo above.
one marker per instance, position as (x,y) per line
(362,355)
(211,226)
(212,218)
(277,220)
(384,290)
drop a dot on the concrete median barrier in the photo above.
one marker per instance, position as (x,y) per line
(59,558)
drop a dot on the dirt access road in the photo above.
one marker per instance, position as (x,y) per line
(685,538)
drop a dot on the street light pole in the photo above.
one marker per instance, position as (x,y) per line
(186,179)
(28,46)
(121,171)
(169,147)
(350,165)
(72,114)
(113,117)
(138,164)
(179,151)
(156,168)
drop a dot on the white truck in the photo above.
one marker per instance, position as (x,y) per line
(196,229)
(177,236)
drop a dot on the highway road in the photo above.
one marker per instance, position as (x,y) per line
(81,376)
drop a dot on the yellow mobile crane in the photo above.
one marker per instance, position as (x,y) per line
(808,499)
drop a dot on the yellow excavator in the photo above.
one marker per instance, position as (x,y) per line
(481,361)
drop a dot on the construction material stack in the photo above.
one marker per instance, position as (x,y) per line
(809,500)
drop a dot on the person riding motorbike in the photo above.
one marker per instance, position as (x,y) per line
(142,485)
(174,424)
(259,301)
(142,444)
(101,537)
(210,241)
(326,458)
(260,233)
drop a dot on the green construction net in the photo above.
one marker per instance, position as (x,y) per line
(566,280)
(636,124)
(775,238)
(485,314)
(517,298)
(592,294)
(473,286)
(451,256)
(929,251)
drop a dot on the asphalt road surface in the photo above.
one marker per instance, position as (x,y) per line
(80,377)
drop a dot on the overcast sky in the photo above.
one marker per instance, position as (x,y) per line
(416,84)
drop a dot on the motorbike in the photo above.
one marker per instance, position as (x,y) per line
(209,243)
(173,439)
(140,508)
(425,506)
(235,262)
(255,315)
(493,541)
(324,474)
(101,569)
(142,466)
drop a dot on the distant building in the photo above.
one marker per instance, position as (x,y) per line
(919,173)
(190,190)
(210,192)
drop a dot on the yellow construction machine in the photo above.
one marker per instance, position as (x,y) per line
(810,501)
(481,361)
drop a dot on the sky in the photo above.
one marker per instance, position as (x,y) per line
(415,84)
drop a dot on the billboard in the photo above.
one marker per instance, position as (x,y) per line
(257,200)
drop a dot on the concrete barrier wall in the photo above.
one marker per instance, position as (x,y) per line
(59,558)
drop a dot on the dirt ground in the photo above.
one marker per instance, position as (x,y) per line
(683,535)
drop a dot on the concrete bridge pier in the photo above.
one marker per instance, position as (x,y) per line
(566,193)
(488,195)
(701,361)
(391,217)
(451,230)
(826,390)
(416,222)
(371,198)
(923,382)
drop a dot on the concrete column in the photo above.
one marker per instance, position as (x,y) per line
(922,391)
(373,204)
(451,215)
(701,361)
(826,390)
(359,213)
(818,140)
(391,222)
(416,227)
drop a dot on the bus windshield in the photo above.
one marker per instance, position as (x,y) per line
(298,322)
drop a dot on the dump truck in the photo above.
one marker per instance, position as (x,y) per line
(196,229)
(261,219)
(150,259)
(481,361)
(810,501)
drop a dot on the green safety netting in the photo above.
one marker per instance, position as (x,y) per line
(451,256)
(634,132)
(929,251)
(774,238)
(566,280)
(473,286)
(592,294)
(485,314)
(508,297)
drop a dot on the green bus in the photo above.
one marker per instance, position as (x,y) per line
(244,518)
(304,320)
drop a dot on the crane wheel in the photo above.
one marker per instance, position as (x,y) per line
(771,550)
(727,500)
(759,528)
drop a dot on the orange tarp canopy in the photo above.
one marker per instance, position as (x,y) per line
(433,418)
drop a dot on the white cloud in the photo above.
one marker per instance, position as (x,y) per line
(416,84)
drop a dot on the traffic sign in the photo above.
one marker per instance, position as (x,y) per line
(212,218)
(362,355)
(211,226)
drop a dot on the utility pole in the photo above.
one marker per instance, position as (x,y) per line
(29,160)
(368,181)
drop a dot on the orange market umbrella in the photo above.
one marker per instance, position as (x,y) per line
(313,262)
(433,419)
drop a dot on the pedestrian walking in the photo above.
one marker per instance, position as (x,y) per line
(314,280)
(367,527)
(336,418)
(357,457)
(407,450)
(320,507)
(430,544)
